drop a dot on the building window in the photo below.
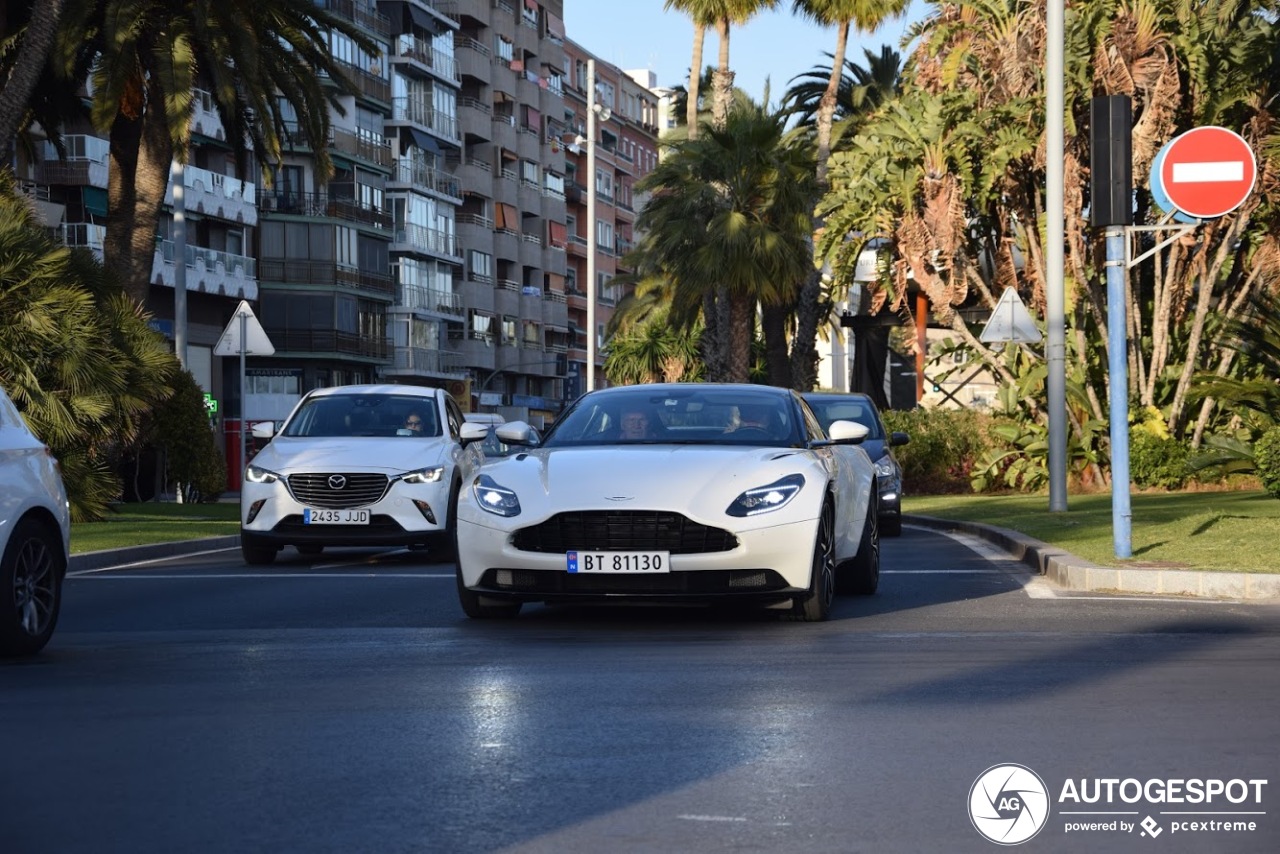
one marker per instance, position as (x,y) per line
(481,265)
(604,234)
(509,331)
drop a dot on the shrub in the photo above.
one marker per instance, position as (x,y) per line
(1157,461)
(1266,459)
(945,446)
(192,457)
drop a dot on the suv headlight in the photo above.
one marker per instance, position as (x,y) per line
(495,499)
(766,499)
(427,475)
(257,474)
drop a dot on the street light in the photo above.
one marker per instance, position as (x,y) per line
(601,112)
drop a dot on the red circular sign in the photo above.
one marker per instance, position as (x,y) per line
(1208,172)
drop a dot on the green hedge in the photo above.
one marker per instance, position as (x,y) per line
(945,446)
(1266,460)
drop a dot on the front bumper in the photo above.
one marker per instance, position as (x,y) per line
(769,564)
(406,514)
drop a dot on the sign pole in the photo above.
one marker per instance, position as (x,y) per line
(244,319)
(1117,356)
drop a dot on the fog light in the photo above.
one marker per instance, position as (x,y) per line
(749,579)
(425,509)
(254,509)
(502,577)
(888,496)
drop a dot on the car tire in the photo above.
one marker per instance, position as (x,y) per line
(447,549)
(31,573)
(309,550)
(815,607)
(862,576)
(256,554)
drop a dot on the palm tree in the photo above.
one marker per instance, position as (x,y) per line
(76,355)
(862,89)
(145,58)
(752,191)
(34,25)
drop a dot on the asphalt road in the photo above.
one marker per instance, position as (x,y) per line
(344,704)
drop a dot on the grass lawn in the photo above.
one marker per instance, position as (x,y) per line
(155,522)
(1186,530)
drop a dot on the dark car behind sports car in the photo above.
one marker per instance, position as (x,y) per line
(834,406)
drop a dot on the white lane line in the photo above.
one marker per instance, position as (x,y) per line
(942,572)
(197,576)
(1003,563)
(711,818)
(166,559)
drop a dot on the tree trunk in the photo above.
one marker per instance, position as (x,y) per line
(141,153)
(741,324)
(722,80)
(713,334)
(773,323)
(695,80)
(827,106)
(810,313)
(28,65)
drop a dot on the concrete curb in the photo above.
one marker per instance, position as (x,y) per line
(155,551)
(1074,573)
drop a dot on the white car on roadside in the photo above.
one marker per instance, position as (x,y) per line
(35,536)
(360,465)
(671,494)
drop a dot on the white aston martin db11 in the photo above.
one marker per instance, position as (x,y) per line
(671,493)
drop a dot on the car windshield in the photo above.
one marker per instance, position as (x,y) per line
(700,416)
(364,415)
(860,412)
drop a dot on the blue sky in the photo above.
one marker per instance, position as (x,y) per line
(776,45)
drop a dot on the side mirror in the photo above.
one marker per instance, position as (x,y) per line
(263,430)
(897,437)
(472,432)
(517,433)
(847,432)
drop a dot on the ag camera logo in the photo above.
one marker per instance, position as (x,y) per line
(1008,804)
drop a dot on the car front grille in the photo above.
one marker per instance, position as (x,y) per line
(623,530)
(337,490)
(719,583)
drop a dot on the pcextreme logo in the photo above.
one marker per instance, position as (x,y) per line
(1008,804)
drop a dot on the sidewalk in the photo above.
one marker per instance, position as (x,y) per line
(1073,573)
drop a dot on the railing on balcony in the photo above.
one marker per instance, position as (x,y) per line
(405,109)
(461,42)
(362,13)
(475,104)
(369,85)
(324,204)
(473,219)
(211,259)
(422,52)
(426,238)
(409,171)
(303,272)
(428,299)
(374,149)
(425,361)
(83,234)
(329,341)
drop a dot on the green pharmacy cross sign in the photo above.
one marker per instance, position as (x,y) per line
(210,404)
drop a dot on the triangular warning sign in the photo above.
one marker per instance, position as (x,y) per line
(256,342)
(1010,321)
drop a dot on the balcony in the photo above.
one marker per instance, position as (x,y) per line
(330,341)
(422,54)
(411,237)
(368,148)
(86,164)
(422,177)
(475,118)
(303,272)
(418,112)
(208,271)
(325,205)
(216,195)
(473,58)
(362,13)
(420,361)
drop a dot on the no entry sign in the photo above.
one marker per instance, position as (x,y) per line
(1206,172)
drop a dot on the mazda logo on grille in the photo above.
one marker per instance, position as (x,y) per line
(337,481)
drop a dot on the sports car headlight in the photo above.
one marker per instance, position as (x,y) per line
(428,475)
(765,499)
(257,474)
(884,467)
(495,499)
